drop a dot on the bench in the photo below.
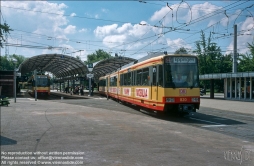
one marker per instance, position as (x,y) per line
(4,101)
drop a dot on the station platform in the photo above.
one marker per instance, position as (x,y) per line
(69,95)
(96,131)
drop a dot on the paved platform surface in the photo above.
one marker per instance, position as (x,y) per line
(97,131)
(229,105)
(218,102)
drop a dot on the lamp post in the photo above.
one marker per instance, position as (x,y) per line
(14,61)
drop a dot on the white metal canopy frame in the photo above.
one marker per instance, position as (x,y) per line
(58,64)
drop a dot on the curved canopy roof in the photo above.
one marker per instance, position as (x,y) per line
(109,65)
(58,64)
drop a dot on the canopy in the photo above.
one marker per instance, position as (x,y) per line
(110,65)
(58,64)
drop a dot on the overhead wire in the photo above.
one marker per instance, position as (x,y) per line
(227,9)
(149,30)
(95,19)
(216,13)
(190,12)
(69,15)
(197,20)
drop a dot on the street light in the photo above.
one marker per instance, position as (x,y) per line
(14,61)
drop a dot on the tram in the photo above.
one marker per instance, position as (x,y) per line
(42,84)
(102,88)
(163,83)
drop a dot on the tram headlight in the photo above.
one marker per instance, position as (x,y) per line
(170,100)
(195,99)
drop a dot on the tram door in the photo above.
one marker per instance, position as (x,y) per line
(154,90)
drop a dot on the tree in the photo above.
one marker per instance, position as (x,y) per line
(7,61)
(246,61)
(4,28)
(251,47)
(97,56)
(211,60)
(181,50)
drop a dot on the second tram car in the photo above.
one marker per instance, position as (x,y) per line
(163,83)
(42,85)
(102,88)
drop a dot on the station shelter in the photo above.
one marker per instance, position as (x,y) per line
(69,71)
(237,86)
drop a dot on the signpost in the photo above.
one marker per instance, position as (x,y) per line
(89,76)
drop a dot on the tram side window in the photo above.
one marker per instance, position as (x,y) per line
(154,75)
(113,81)
(127,79)
(160,78)
(102,82)
(139,77)
(121,79)
(134,77)
(145,75)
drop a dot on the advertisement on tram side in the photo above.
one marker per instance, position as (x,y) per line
(142,93)
(126,91)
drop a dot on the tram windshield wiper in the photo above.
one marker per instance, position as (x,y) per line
(173,85)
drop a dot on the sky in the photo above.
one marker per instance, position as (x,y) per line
(129,28)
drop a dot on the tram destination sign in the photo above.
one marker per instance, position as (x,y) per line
(184,60)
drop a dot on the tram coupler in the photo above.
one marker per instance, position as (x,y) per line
(186,108)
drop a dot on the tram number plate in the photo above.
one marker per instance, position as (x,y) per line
(183,99)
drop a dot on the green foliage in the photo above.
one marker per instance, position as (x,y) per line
(210,58)
(4,28)
(246,63)
(212,61)
(181,50)
(97,56)
(7,61)
(251,47)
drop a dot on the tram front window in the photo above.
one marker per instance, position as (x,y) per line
(181,73)
(42,81)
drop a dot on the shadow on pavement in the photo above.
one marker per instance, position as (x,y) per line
(7,141)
